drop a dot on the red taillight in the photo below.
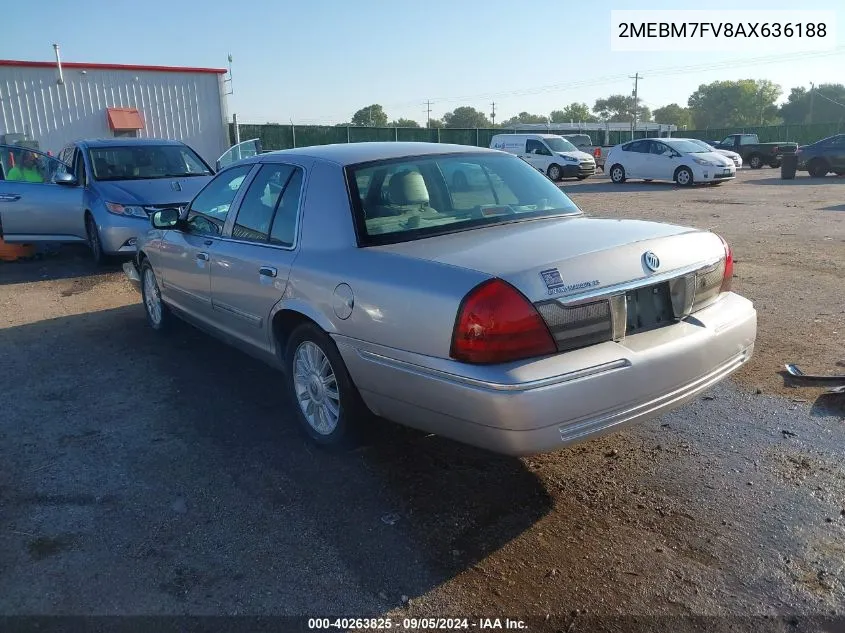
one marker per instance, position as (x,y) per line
(597,152)
(729,266)
(496,324)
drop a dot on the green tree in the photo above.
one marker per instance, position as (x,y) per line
(825,106)
(735,103)
(404,123)
(525,117)
(372,116)
(465,117)
(574,112)
(619,108)
(673,114)
(433,123)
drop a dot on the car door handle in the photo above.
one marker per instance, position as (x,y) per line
(202,256)
(9,197)
(268,271)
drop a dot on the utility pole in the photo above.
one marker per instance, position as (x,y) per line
(636,79)
(428,114)
(493,114)
(812,90)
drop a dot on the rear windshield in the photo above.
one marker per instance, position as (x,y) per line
(143,162)
(413,198)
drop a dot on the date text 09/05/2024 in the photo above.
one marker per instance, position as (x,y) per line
(411,624)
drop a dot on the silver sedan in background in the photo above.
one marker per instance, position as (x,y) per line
(496,314)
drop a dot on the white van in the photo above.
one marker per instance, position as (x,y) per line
(552,154)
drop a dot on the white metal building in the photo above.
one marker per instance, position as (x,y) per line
(54,103)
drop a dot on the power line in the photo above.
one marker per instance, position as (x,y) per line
(611,79)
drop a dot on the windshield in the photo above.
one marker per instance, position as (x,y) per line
(413,198)
(560,145)
(685,147)
(706,146)
(142,162)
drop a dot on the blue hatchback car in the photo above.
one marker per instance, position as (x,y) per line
(99,192)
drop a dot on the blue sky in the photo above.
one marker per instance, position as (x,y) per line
(317,61)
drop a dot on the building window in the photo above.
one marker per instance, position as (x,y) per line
(126,133)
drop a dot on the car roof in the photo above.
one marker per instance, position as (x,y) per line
(352,153)
(123,142)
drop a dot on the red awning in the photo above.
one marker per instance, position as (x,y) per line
(125,119)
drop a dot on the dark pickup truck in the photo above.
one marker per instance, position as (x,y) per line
(754,153)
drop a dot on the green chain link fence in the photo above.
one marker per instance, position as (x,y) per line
(275,137)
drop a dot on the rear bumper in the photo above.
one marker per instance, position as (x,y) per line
(544,405)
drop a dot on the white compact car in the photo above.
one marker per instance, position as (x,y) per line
(677,159)
(549,153)
(736,158)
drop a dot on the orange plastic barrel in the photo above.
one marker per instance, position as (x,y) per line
(11,252)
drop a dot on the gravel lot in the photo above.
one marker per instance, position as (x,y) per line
(151,475)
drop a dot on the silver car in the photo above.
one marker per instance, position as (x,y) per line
(502,317)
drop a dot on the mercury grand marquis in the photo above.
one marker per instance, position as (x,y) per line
(498,315)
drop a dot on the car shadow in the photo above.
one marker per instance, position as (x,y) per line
(62,262)
(609,187)
(194,444)
(829,404)
(798,181)
(838,207)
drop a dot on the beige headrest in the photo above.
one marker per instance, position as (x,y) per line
(408,187)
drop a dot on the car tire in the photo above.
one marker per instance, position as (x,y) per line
(326,402)
(684,177)
(755,161)
(617,174)
(158,315)
(818,168)
(554,172)
(94,241)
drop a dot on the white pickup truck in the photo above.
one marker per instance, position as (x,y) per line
(584,143)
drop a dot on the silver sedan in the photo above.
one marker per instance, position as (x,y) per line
(496,314)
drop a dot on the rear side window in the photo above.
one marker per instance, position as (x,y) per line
(418,197)
(255,215)
(270,207)
(638,146)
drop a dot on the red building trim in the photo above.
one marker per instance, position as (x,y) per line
(165,69)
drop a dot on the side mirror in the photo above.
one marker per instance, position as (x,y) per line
(165,219)
(68,180)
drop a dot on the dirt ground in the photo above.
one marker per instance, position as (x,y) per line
(149,475)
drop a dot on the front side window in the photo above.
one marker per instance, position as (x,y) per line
(419,197)
(533,146)
(641,147)
(144,162)
(208,211)
(25,165)
(255,215)
(729,140)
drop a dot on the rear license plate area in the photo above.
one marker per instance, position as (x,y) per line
(649,308)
